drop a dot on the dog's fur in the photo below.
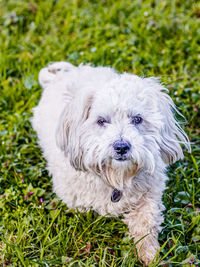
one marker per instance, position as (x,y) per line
(80,151)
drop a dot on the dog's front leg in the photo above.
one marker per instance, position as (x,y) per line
(144,225)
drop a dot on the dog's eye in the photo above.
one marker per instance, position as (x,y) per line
(101,121)
(136,120)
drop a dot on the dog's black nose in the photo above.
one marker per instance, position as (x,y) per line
(121,147)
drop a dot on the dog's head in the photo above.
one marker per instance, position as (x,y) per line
(123,128)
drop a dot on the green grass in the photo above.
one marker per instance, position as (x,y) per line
(149,38)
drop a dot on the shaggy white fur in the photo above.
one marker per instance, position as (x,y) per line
(99,131)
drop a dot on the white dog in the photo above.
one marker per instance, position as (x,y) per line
(107,138)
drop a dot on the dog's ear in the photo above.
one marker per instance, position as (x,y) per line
(171,134)
(63,128)
(73,116)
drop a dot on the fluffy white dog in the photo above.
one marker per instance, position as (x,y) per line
(107,138)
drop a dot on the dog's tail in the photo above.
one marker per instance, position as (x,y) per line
(53,72)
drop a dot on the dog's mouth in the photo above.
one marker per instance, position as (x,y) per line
(121,158)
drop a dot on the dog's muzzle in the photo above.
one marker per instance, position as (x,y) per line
(121,149)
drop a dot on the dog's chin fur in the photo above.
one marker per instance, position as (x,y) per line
(120,177)
(80,151)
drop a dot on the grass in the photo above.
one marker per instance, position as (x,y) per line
(148,38)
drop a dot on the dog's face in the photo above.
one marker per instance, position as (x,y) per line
(120,129)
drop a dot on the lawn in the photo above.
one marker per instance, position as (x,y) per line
(147,38)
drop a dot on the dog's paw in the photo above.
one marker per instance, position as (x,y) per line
(147,249)
(60,67)
(53,71)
